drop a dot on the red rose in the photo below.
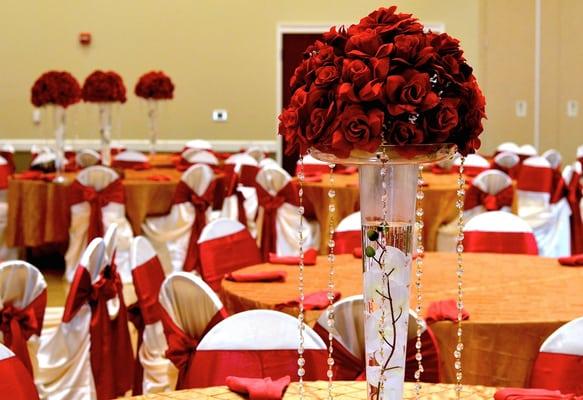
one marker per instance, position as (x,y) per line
(402,133)
(291,131)
(357,129)
(409,92)
(356,71)
(412,50)
(326,76)
(319,120)
(364,44)
(385,21)
(444,118)
(155,85)
(54,87)
(336,38)
(299,77)
(104,87)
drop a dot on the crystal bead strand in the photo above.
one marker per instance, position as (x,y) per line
(331,272)
(418,274)
(459,272)
(301,360)
(384,224)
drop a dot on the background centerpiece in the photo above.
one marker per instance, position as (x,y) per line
(387,96)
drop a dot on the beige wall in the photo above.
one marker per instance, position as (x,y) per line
(220,53)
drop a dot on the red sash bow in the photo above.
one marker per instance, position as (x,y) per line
(491,202)
(111,349)
(184,194)
(112,193)
(574,196)
(181,347)
(270,204)
(18,325)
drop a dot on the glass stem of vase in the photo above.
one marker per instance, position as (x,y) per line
(60,123)
(153,124)
(105,125)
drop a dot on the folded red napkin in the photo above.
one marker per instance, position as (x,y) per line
(312,301)
(260,276)
(357,252)
(310,256)
(257,388)
(313,178)
(444,310)
(158,178)
(532,394)
(346,171)
(575,260)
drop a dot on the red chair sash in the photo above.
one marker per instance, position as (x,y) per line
(254,364)
(500,242)
(535,179)
(270,204)
(347,366)
(16,382)
(4,175)
(510,171)
(216,261)
(111,349)
(247,175)
(347,241)
(492,202)
(232,189)
(9,157)
(18,325)
(574,196)
(182,348)
(562,372)
(431,358)
(112,193)
(184,194)
(559,187)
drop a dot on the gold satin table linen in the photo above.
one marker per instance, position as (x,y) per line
(515,302)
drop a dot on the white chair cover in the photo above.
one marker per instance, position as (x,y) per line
(473,160)
(131,156)
(152,352)
(6,253)
(199,144)
(230,207)
(256,152)
(553,157)
(272,179)
(97,177)
(240,159)
(507,159)
(64,365)
(87,158)
(527,150)
(550,222)
(509,147)
(268,162)
(170,234)
(194,156)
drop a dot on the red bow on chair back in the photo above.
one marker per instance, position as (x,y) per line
(574,197)
(491,202)
(19,324)
(270,205)
(112,193)
(185,194)
(182,347)
(111,349)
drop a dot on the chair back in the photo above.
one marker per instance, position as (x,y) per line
(312,166)
(98,177)
(194,156)
(87,158)
(554,158)
(347,235)
(7,152)
(240,159)
(130,159)
(198,178)
(272,179)
(199,144)
(527,150)
(535,183)
(558,364)
(17,382)
(473,164)
(489,191)
(507,162)
(499,232)
(509,147)
(256,152)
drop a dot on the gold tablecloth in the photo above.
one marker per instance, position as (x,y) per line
(514,302)
(438,204)
(319,391)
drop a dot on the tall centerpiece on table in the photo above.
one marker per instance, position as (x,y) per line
(58,89)
(387,96)
(154,86)
(104,88)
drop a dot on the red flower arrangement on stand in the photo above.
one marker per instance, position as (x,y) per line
(104,88)
(154,86)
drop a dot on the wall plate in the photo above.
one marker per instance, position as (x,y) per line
(220,115)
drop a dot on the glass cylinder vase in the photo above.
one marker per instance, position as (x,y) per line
(59,118)
(153,124)
(105,128)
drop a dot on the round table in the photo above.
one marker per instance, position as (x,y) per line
(319,391)
(514,302)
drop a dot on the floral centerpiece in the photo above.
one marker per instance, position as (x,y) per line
(60,90)
(154,86)
(388,96)
(104,88)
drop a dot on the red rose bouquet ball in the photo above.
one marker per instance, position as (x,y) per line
(55,87)
(155,85)
(383,81)
(104,87)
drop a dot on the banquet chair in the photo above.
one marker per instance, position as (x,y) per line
(241,198)
(97,200)
(489,191)
(224,234)
(444,166)
(7,152)
(89,355)
(16,381)
(526,151)
(312,166)
(549,222)
(349,343)
(196,156)
(175,236)
(198,144)
(116,147)
(508,163)
(268,162)
(87,158)
(130,159)
(499,232)
(6,253)
(151,372)
(347,235)
(257,344)
(23,298)
(473,164)
(508,147)
(554,158)
(574,195)
(256,152)
(189,309)
(45,161)
(558,363)
(277,221)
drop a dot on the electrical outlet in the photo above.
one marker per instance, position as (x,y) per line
(521,107)
(572,108)
(220,115)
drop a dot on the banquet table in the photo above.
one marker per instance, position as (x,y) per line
(438,204)
(342,390)
(514,301)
